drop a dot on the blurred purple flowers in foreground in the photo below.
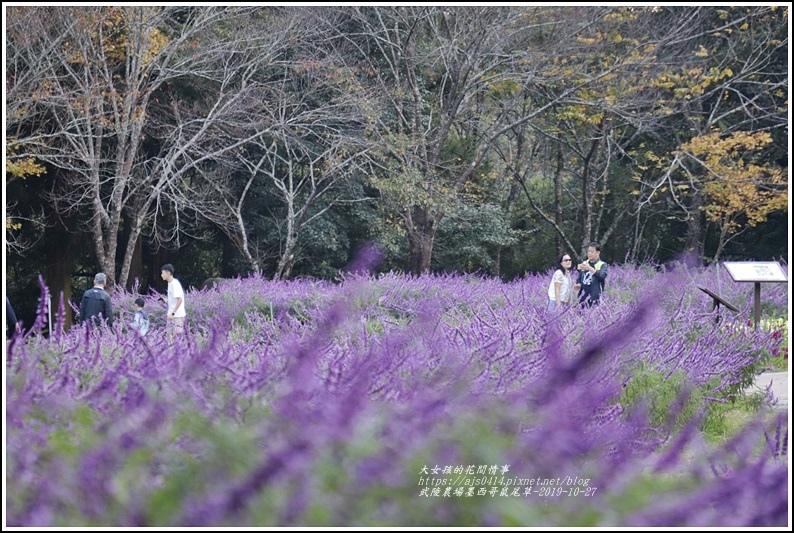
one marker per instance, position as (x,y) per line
(307,403)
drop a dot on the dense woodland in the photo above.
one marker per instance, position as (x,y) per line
(276,141)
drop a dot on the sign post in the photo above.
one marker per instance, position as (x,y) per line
(717,301)
(756,272)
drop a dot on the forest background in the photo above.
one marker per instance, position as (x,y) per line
(276,141)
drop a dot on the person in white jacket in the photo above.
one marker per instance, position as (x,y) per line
(560,286)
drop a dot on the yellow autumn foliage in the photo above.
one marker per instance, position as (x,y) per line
(735,185)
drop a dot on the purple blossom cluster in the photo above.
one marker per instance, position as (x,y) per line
(307,403)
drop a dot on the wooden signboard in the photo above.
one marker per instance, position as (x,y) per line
(756,272)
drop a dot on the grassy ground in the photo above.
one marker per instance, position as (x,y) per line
(727,419)
(779,364)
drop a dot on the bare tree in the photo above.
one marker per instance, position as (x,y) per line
(105,78)
(308,141)
(435,66)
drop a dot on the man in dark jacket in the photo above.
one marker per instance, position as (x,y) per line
(592,275)
(95,307)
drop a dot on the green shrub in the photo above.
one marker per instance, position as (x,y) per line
(658,392)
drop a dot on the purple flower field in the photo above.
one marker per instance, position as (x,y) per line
(390,400)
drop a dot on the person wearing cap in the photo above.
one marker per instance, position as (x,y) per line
(96,307)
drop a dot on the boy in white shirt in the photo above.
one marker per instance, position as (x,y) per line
(176,302)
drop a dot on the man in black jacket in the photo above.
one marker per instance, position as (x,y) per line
(592,275)
(95,307)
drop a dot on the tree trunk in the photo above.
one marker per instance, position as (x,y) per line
(511,202)
(105,259)
(588,196)
(287,259)
(421,234)
(639,228)
(230,253)
(132,238)
(720,246)
(694,246)
(59,267)
(132,269)
(136,266)
(558,212)
(157,259)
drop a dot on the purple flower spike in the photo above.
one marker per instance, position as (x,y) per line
(366,261)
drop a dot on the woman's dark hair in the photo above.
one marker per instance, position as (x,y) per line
(559,262)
